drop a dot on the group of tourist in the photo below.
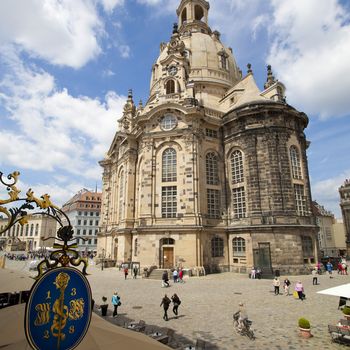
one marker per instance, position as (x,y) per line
(298,289)
(116,302)
(166,303)
(255,273)
(135,271)
(178,275)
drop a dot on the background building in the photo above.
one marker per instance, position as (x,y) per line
(339,237)
(211,173)
(83,211)
(344,192)
(31,236)
(325,221)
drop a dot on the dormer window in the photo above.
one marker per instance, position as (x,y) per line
(223,57)
(198,13)
(170,87)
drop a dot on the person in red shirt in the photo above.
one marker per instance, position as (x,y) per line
(181,275)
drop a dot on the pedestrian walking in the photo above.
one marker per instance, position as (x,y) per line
(329,268)
(276,283)
(165,279)
(126,272)
(176,302)
(286,284)
(300,290)
(253,273)
(181,276)
(135,271)
(175,275)
(258,273)
(314,276)
(116,303)
(104,306)
(165,302)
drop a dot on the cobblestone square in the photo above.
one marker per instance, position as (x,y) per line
(209,302)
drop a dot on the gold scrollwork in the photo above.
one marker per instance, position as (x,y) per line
(76,310)
(43,316)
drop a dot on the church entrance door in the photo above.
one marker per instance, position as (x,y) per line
(168,257)
(262,258)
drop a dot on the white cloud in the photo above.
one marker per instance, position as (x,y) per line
(310,53)
(54,129)
(110,5)
(124,51)
(326,193)
(163,7)
(62,32)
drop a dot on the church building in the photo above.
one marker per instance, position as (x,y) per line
(211,174)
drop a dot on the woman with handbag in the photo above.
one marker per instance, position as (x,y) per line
(116,302)
(176,301)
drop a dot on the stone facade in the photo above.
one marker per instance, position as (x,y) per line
(38,233)
(344,192)
(211,174)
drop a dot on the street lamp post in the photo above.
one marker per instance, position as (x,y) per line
(103,254)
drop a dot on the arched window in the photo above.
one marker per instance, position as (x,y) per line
(17,231)
(36,229)
(121,196)
(184,15)
(211,161)
(295,161)
(31,229)
(238,246)
(169,165)
(198,13)
(306,242)
(217,247)
(170,87)
(237,170)
(167,241)
(27,229)
(22,230)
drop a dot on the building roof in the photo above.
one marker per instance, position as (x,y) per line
(319,210)
(83,196)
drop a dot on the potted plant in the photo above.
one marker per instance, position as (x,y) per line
(304,328)
(346,312)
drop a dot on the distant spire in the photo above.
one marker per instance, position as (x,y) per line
(130,94)
(140,104)
(249,66)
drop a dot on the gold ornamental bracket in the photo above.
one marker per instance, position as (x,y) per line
(65,253)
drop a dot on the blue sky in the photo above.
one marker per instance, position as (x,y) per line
(66,66)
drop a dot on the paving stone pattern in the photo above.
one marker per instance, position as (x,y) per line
(209,302)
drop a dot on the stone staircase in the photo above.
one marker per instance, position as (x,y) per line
(156,274)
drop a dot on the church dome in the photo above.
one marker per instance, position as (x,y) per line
(196,51)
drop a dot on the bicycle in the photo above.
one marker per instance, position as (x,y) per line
(245,331)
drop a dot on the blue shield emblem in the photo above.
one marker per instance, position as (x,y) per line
(58,311)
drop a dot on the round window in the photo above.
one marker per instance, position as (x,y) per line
(168,122)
